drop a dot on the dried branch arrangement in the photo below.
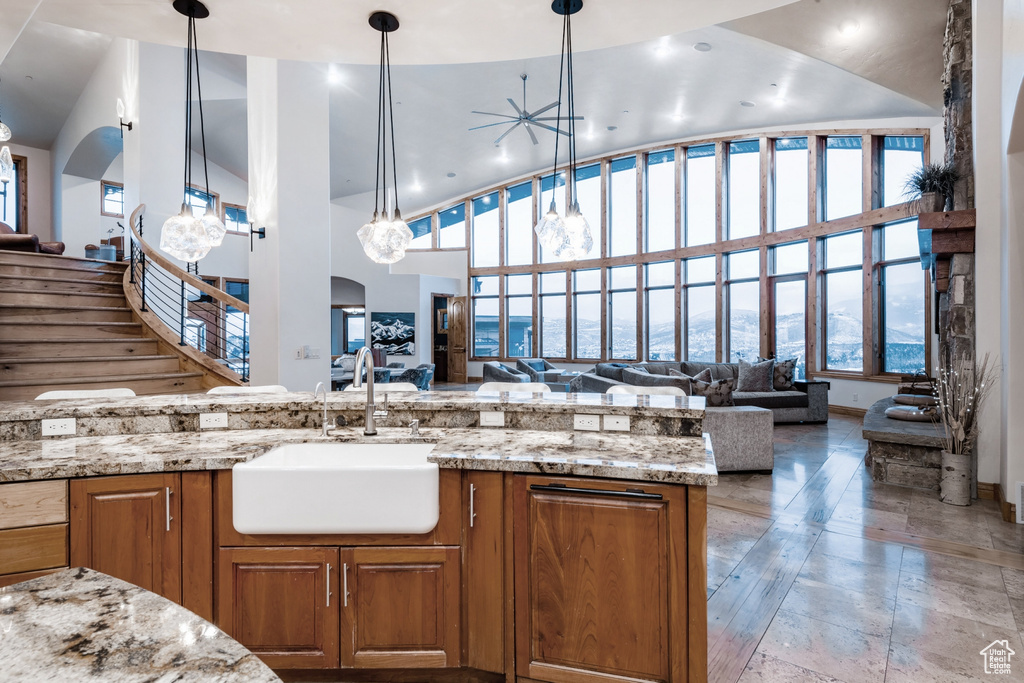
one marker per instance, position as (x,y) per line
(961,390)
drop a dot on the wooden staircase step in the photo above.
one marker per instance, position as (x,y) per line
(166,383)
(50,299)
(18,312)
(60,261)
(59,369)
(57,284)
(31,331)
(89,274)
(49,348)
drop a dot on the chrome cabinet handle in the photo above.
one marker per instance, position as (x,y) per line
(344,588)
(167,505)
(472,515)
(327,582)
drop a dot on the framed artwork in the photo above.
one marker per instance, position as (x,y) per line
(395,333)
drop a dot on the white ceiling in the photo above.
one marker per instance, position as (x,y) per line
(890,68)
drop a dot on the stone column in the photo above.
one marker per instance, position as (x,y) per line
(289,177)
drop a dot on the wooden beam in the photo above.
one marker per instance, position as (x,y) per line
(949,242)
(948,220)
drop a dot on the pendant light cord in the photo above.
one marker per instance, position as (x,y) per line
(572,110)
(186,181)
(202,124)
(391,112)
(380,123)
(558,115)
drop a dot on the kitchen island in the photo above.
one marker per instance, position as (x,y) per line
(559,554)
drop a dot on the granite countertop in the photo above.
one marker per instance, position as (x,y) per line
(79,624)
(186,404)
(671,459)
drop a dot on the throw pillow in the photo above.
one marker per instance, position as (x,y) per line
(717,393)
(755,377)
(537,365)
(702,376)
(782,375)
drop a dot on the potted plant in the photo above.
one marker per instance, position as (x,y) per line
(961,389)
(932,185)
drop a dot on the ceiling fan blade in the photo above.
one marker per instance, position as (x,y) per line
(533,136)
(503,135)
(491,113)
(555,118)
(553,130)
(544,109)
(515,106)
(498,123)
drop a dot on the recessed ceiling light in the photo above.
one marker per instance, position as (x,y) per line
(746,103)
(333,75)
(702,47)
(451,174)
(848,27)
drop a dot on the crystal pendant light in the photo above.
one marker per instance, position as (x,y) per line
(5,132)
(186,236)
(569,238)
(385,238)
(6,165)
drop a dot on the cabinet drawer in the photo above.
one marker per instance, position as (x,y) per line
(33,548)
(32,503)
(11,579)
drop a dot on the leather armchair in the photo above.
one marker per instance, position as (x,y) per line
(15,241)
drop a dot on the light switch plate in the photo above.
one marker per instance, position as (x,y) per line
(492,418)
(213,420)
(586,423)
(616,423)
(59,427)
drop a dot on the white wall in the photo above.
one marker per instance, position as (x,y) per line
(345,292)
(40,191)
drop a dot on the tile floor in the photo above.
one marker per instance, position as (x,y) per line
(798,590)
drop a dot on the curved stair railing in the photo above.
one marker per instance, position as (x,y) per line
(209,326)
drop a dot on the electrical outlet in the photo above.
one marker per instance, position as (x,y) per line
(616,423)
(213,420)
(298,353)
(856,397)
(492,418)
(314,352)
(586,423)
(60,427)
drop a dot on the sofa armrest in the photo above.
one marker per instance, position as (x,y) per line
(805,385)
(20,242)
(817,399)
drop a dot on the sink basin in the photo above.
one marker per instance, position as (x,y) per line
(337,488)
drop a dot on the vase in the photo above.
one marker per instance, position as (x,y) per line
(932,202)
(955,483)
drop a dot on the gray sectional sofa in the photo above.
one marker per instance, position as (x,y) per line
(806,402)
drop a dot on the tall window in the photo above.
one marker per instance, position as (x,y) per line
(485,231)
(519,315)
(112,199)
(421,233)
(588,195)
(660,303)
(744,189)
(622,207)
(200,199)
(844,177)
(485,316)
(236,327)
(452,232)
(788,264)
(552,315)
(660,214)
(743,297)
(348,329)
(699,304)
(902,285)
(700,195)
(551,187)
(235,219)
(519,224)
(902,155)
(586,313)
(9,191)
(791,197)
(622,312)
(844,302)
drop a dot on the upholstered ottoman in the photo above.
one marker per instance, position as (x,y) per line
(741,437)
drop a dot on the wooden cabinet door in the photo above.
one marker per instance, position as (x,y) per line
(458,327)
(600,577)
(282,604)
(129,527)
(400,607)
(486,538)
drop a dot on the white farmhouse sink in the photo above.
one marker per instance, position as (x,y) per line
(337,488)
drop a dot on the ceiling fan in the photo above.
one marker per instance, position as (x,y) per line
(525,118)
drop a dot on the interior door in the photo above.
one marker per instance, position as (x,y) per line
(457,339)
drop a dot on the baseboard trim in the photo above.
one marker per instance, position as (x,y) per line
(846,410)
(1008,510)
(986,491)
